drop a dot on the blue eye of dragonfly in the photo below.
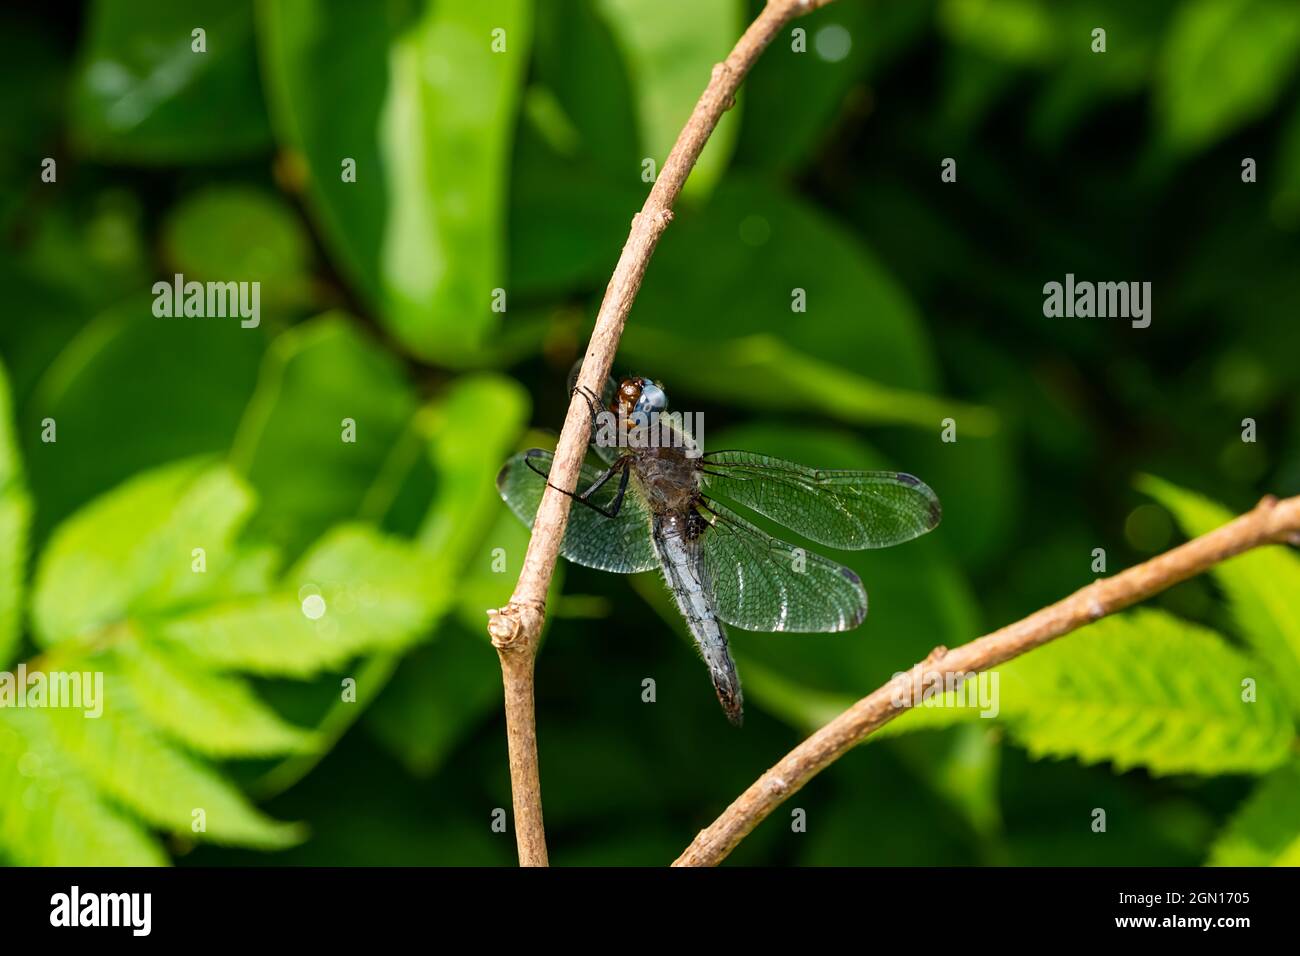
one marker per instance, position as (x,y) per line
(653,398)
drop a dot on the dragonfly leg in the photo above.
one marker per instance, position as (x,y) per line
(584,497)
(593,403)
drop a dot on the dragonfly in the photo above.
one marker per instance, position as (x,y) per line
(660,502)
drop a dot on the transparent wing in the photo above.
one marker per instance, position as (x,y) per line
(763,584)
(622,544)
(852,510)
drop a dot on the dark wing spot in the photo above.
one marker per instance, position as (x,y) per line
(907,479)
(850,574)
(535,453)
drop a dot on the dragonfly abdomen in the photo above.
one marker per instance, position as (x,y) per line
(677,540)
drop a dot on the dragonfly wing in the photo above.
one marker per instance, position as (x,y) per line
(763,584)
(852,510)
(621,544)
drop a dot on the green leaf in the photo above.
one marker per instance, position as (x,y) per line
(119,576)
(1146,690)
(1261,587)
(1143,689)
(762,245)
(314,378)
(143,95)
(426,109)
(476,426)
(378,594)
(796,382)
(49,815)
(132,550)
(1265,831)
(442,690)
(239,233)
(216,715)
(15,516)
(671,47)
(1224,63)
(466,433)
(137,768)
(1015,31)
(948,709)
(124,366)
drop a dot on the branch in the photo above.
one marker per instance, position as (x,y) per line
(514,629)
(1270,522)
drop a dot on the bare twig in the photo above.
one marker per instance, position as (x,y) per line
(514,628)
(1270,522)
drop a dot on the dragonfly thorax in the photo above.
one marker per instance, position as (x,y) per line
(667,478)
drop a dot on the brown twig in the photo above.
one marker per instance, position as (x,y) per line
(515,628)
(1270,522)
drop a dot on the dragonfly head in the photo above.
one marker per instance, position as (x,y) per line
(641,396)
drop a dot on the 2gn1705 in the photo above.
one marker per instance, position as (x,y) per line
(1218,896)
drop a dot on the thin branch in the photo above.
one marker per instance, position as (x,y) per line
(1270,522)
(515,628)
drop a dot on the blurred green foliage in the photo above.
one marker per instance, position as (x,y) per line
(433,209)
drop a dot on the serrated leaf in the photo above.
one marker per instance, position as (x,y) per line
(1265,831)
(1262,586)
(139,769)
(214,714)
(49,815)
(1146,689)
(469,431)
(131,551)
(378,595)
(15,518)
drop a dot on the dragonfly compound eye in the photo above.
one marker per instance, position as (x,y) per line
(653,398)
